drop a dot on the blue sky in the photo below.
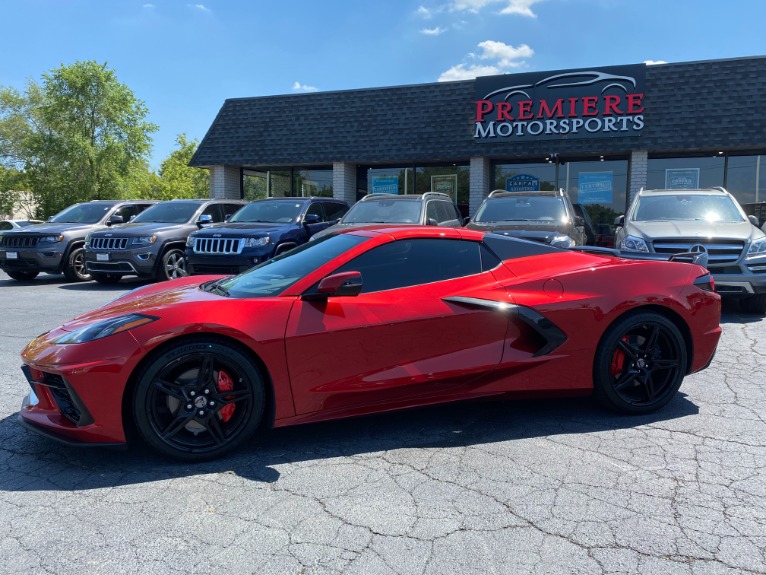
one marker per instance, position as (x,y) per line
(183,59)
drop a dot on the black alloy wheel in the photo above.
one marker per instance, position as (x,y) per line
(172,265)
(639,364)
(22,276)
(198,400)
(75,270)
(106,279)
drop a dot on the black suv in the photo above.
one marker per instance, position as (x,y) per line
(152,245)
(431,208)
(548,217)
(57,245)
(259,231)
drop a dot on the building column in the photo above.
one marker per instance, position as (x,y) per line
(480,182)
(225,183)
(344,182)
(639,172)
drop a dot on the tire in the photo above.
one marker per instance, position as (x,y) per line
(755,304)
(282,248)
(172,265)
(181,410)
(22,276)
(74,270)
(639,364)
(106,279)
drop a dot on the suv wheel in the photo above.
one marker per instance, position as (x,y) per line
(172,265)
(755,304)
(22,276)
(74,270)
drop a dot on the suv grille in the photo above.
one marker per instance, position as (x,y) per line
(719,251)
(13,241)
(218,245)
(108,243)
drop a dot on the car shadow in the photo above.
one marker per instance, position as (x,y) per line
(33,463)
(731,312)
(124,284)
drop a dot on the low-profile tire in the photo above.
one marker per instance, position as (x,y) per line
(74,270)
(106,279)
(22,276)
(640,363)
(755,304)
(282,248)
(198,400)
(172,265)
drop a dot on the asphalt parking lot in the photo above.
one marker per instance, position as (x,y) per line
(509,487)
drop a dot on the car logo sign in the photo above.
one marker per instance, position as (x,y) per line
(216,235)
(698,249)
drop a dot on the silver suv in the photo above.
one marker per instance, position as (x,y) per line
(667,222)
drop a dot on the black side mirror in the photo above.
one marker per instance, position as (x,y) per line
(311,219)
(466,220)
(432,222)
(619,221)
(114,220)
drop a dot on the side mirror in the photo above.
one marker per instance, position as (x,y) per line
(432,222)
(619,221)
(50,219)
(579,221)
(204,220)
(115,219)
(347,284)
(309,219)
(466,220)
(753,220)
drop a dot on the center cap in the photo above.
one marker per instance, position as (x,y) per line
(200,401)
(641,363)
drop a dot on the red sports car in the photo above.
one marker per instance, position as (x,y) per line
(369,320)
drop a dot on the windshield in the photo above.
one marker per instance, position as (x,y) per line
(272,212)
(383,211)
(168,212)
(690,207)
(82,214)
(277,274)
(522,209)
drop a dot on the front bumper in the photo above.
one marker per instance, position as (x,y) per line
(140,262)
(46,258)
(225,263)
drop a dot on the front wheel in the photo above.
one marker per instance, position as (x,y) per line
(639,364)
(198,400)
(172,265)
(74,270)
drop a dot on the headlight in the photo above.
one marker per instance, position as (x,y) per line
(757,248)
(562,241)
(257,242)
(190,241)
(144,240)
(106,328)
(51,239)
(633,244)
(87,241)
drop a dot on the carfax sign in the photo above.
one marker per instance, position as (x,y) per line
(588,103)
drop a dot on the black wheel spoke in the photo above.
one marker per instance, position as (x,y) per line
(626,380)
(179,423)
(660,364)
(651,341)
(205,375)
(648,385)
(171,389)
(628,350)
(214,429)
(229,397)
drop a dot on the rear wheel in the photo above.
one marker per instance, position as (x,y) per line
(639,364)
(75,270)
(755,304)
(22,276)
(106,279)
(172,265)
(198,400)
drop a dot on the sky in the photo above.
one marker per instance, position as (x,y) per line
(184,59)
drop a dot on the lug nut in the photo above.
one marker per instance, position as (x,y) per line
(189,406)
(201,412)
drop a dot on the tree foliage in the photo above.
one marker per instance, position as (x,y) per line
(177,179)
(77,136)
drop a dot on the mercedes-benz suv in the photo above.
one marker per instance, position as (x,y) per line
(152,245)
(56,246)
(666,222)
(259,231)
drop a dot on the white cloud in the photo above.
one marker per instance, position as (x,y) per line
(520,7)
(433,31)
(200,7)
(424,12)
(653,62)
(298,87)
(148,6)
(507,58)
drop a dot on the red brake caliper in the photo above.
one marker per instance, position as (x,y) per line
(618,360)
(225,383)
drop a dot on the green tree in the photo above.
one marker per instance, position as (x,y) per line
(177,179)
(77,136)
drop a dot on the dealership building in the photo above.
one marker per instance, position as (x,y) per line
(599,133)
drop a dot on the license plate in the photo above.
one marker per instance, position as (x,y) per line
(102,257)
(11,255)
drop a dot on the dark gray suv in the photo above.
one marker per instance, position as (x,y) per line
(152,245)
(56,246)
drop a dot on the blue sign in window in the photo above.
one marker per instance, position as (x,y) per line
(385,185)
(595,188)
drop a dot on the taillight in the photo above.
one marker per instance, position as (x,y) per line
(706,282)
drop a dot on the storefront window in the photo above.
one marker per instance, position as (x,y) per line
(746,178)
(524,177)
(685,173)
(254,185)
(313,183)
(296,182)
(394,180)
(450,180)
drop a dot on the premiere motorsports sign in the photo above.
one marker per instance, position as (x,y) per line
(590,103)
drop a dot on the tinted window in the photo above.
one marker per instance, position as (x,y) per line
(6,226)
(214,211)
(384,211)
(334,210)
(127,212)
(509,248)
(174,212)
(229,210)
(405,263)
(522,208)
(447,212)
(82,214)
(316,209)
(269,211)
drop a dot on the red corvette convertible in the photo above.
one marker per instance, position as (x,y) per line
(364,321)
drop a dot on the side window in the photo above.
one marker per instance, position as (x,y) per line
(404,263)
(127,212)
(447,212)
(316,209)
(5,226)
(334,210)
(432,212)
(215,211)
(230,209)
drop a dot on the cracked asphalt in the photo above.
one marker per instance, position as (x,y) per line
(509,487)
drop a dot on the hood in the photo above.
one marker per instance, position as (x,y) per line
(49,228)
(240,229)
(133,229)
(538,231)
(341,227)
(691,229)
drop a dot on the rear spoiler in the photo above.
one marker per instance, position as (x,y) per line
(699,258)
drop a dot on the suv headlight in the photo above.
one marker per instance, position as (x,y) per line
(190,241)
(87,241)
(633,244)
(51,239)
(257,242)
(562,241)
(144,240)
(757,248)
